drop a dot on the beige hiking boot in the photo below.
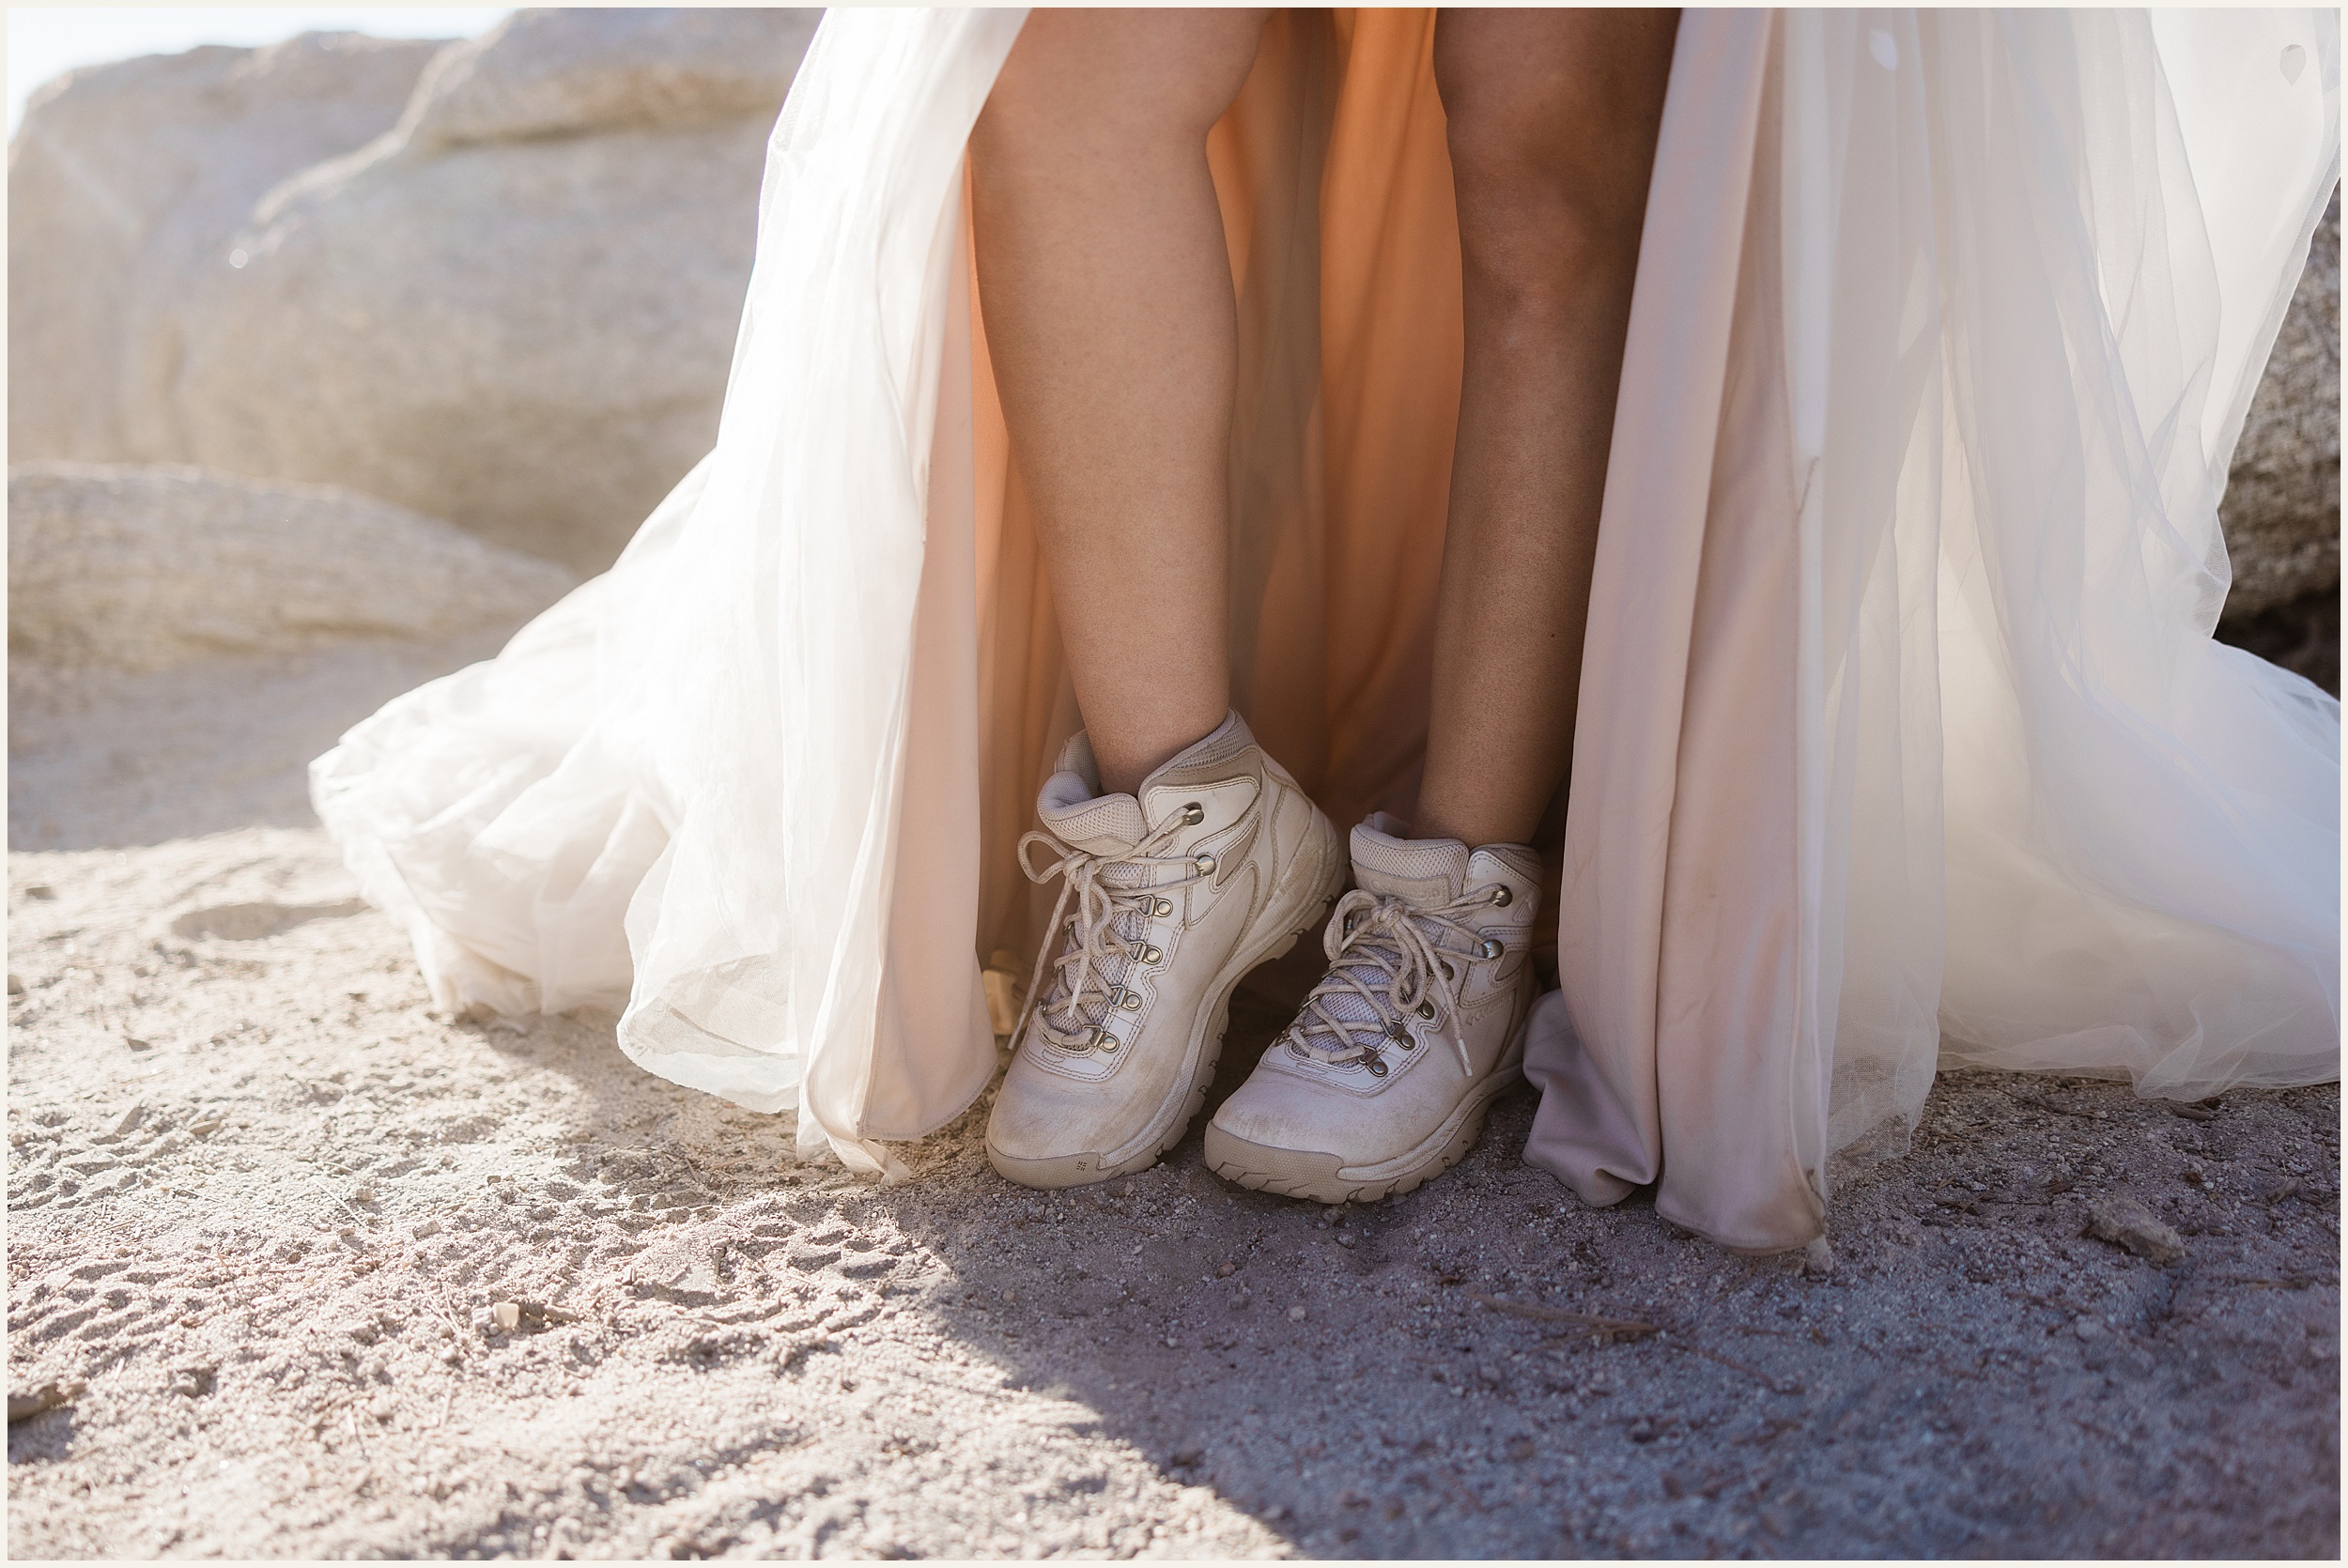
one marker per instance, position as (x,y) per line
(1167,899)
(1384,1079)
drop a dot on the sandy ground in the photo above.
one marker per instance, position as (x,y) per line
(265,1207)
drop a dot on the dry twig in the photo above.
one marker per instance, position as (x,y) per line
(1774,1384)
(2038,1103)
(1608,1327)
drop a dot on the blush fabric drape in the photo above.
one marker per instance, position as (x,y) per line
(1903,737)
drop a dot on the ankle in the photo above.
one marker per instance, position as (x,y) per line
(1476,830)
(1130,753)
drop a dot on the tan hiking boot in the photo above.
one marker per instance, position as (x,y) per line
(1384,1079)
(1220,864)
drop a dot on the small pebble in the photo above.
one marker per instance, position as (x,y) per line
(2125,1221)
(130,1118)
(427,1229)
(25,1401)
(506,1314)
(363,1195)
(1296,1315)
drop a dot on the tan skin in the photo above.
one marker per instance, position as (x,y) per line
(1114,333)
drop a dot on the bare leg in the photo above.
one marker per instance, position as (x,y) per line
(1110,318)
(1554,115)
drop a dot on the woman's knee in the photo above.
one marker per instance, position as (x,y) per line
(1552,123)
(1115,80)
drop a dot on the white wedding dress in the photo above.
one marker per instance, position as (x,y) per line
(1903,737)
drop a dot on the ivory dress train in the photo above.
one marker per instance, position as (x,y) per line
(1903,737)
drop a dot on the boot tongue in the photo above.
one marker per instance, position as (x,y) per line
(1072,807)
(1106,826)
(1422,873)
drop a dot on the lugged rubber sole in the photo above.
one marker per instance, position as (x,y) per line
(1206,1048)
(1327,1179)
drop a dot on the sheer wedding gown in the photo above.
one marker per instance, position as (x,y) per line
(1903,737)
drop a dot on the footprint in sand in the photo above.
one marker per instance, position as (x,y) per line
(251,922)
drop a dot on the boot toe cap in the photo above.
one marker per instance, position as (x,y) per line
(1268,1114)
(1046,1132)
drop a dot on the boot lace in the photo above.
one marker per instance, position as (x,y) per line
(1115,897)
(1387,960)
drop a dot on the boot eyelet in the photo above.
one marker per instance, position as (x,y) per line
(1152,955)
(1131,1001)
(1409,1041)
(1449,973)
(1377,1068)
(1502,897)
(1106,1041)
(1493,947)
(1427,1010)
(1192,814)
(1205,864)
(1161,908)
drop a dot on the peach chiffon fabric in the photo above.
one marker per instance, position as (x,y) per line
(1335,190)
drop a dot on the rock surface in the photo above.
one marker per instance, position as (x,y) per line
(574,73)
(281,1282)
(141,568)
(125,183)
(2281,510)
(515,309)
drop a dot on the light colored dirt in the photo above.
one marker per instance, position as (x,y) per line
(265,1204)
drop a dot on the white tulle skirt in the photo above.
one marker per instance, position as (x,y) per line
(1903,736)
